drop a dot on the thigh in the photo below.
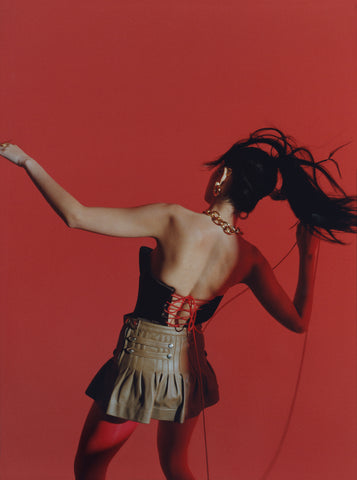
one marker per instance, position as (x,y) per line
(173,437)
(103,433)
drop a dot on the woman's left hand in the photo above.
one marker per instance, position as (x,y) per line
(13,153)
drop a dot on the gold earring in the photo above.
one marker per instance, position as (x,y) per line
(217,189)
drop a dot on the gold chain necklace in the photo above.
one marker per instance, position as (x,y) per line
(218,220)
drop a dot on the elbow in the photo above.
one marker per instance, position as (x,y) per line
(72,222)
(300,329)
(73,219)
(295,325)
(300,322)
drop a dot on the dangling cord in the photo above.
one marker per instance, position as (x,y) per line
(287,424)
(174,308)
(290,414)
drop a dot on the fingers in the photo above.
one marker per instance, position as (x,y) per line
(13,153)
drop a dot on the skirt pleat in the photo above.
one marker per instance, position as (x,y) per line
(155,372)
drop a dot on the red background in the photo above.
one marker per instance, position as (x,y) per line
(122,102)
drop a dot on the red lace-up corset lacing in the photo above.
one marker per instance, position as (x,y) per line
(183,311)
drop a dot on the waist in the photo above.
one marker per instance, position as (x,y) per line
(175,310)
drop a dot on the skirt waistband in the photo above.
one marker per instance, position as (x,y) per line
(134,321)
(141,338)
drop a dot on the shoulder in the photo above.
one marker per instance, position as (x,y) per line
(178,212)
(260,267)
(168,214)
(250,251)
(257,256)
(170,208)
(259,262)
(179,209)
(157,209)
(250,261)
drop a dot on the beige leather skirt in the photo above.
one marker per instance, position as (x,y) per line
(155,372)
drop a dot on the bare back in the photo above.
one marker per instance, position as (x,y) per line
(197,258)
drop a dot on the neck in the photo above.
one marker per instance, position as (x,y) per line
(225,209)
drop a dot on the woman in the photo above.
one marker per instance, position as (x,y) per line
(159,368)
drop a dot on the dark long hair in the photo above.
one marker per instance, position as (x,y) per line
(255,163)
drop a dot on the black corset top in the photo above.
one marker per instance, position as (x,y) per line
(154,296)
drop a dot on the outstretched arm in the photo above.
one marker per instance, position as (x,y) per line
(262,281)
(143,221)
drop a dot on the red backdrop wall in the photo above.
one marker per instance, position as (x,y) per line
(122,102)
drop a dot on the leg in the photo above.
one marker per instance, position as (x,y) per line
(101,438)
(172,442)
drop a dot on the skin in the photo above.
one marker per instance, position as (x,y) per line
(196,257)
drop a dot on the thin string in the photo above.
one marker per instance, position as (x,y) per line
(293,402)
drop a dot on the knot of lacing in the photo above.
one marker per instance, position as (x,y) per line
(183,311)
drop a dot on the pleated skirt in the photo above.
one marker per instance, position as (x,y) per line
(155,372)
